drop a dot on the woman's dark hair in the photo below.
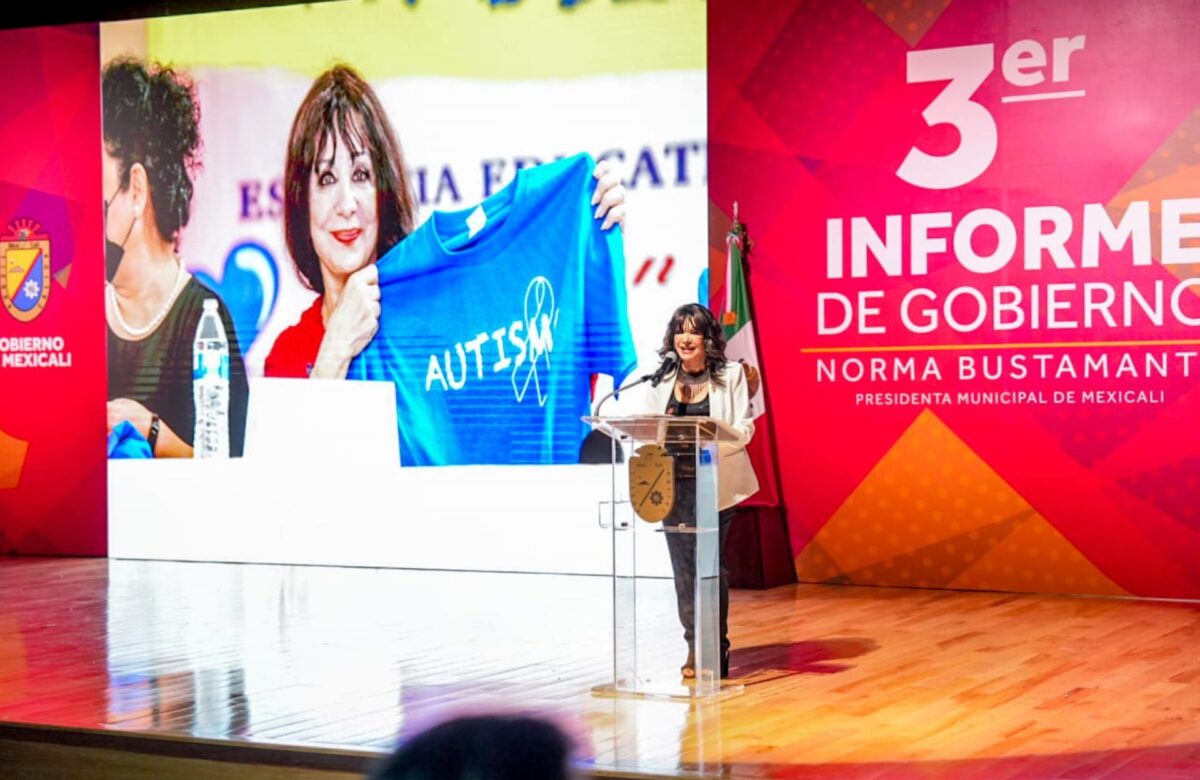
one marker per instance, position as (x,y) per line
(341,106)
(151,117)
(705,323)
(483,747)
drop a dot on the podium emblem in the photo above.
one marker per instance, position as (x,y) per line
(652,483)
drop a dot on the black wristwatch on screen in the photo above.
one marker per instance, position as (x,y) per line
(152,439)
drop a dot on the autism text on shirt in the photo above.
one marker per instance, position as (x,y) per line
(522,346)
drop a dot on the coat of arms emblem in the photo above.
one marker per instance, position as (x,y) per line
(25,280)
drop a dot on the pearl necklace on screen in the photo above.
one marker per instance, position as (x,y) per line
(156,320)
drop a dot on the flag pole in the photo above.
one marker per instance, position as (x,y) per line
(738,233)
(774,513)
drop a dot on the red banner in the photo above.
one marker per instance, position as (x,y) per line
(977,283)
(52,369)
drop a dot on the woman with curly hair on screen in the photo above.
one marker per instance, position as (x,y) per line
(152,304)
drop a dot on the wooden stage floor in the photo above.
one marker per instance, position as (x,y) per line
(335,664)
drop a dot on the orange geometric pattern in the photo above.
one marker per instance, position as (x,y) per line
(910,19)
(12,460)
(933,514)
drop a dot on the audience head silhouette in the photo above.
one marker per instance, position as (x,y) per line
(483,747)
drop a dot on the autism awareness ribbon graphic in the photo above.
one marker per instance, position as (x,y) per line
(539,311)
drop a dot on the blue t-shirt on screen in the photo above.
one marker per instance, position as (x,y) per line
(491,334)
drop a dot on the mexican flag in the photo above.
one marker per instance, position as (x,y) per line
(739,328)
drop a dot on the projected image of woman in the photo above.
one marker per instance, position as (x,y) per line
(153,305)
(346,203)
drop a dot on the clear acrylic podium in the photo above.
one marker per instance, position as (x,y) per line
(661,452)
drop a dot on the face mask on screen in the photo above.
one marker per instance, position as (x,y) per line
(113,252)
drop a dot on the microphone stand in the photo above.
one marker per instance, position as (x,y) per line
(654,378)
(621,389)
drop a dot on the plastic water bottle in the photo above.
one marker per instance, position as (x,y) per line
(210,385)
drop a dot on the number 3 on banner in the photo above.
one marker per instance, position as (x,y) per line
(966,68)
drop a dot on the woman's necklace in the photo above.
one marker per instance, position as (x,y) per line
(156,320)
(692,387)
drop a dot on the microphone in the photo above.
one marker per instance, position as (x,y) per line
(669,362)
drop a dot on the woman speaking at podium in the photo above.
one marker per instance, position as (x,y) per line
(704,384)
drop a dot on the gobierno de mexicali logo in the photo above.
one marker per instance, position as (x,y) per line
(25,283)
